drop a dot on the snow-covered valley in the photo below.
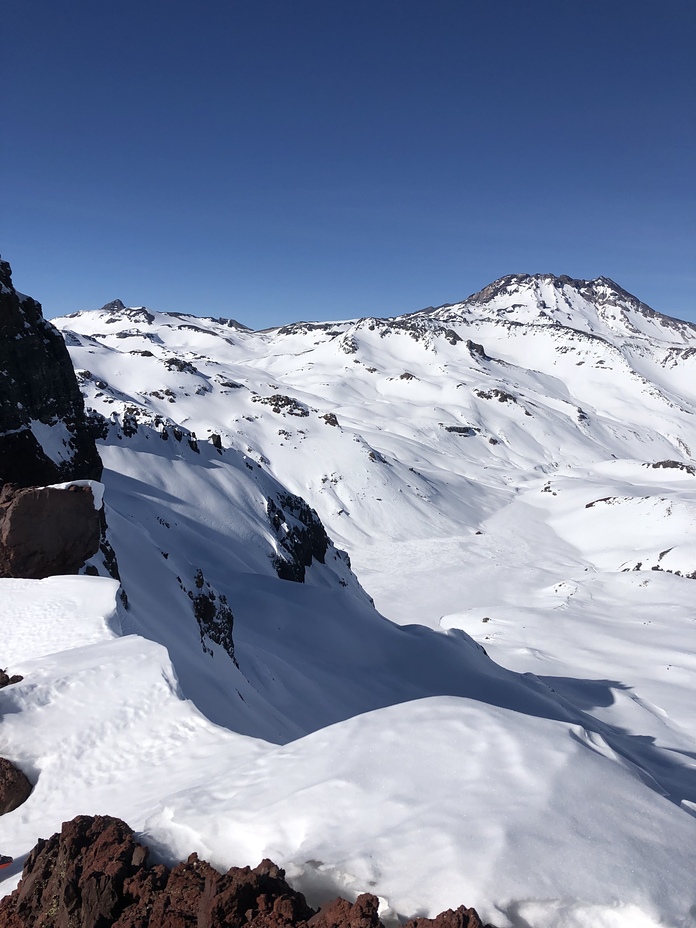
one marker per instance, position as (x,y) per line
(488,699)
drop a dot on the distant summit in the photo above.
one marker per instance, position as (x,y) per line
(598,307)
(600,289)
(113,306)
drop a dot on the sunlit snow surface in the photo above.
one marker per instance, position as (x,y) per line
(549,783)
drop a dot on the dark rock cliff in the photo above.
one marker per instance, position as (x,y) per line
(45,436)
(95,875)
(300,533)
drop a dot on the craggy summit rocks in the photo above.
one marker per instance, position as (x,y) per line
(94,875)
(44,435)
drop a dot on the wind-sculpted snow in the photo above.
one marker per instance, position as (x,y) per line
(513,473)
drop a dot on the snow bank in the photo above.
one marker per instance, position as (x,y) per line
(40,617)
(95,486)
(445,800)
(98,724)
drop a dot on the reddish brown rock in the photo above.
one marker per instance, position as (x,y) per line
(14,787)
(46,531)
(452,918)
(94,875)
(342,914)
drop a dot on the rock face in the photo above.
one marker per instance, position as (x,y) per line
(300,533)
(14,787)
(46,531)
(45,436)
(94,875)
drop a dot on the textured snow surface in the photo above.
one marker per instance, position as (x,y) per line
(512,473)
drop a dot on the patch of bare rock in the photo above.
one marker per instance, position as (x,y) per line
(95,875)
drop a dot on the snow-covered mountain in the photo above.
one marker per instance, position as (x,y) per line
(512,473)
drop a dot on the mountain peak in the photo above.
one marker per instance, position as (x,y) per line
(514,283)
(599,306)
(113,306)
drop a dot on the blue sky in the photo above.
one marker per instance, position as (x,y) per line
(275,160)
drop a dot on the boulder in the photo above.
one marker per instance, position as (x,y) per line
(14,787)
(47,531)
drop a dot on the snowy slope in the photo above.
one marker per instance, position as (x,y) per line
(512,473)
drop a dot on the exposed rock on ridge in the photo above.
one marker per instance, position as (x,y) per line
(44,435)
(300,533)
(213,614)
(47,531)
(94,875)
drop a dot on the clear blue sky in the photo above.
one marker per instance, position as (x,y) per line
(275,160)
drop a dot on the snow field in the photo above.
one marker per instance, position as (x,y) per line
(100,725)
(550,784)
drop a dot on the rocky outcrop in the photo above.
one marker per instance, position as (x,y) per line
(47,531)
(44,435)
(14,787)
(300,533)
(95,875)
(213,614)
(363,913)
(452,918)
(343,914)
(283,405)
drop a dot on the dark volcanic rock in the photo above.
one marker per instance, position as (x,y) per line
(300,533)
(676,465)
(94,875)
(46,531)
(7,680)
(44,436)
(283,405)
(213,614)
(14,787)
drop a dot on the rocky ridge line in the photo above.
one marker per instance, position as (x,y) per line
(94,874)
